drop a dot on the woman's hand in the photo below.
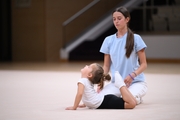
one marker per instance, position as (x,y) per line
(128,81)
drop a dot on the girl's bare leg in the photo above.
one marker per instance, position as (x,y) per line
(130,101)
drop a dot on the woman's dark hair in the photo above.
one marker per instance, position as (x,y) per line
(98,76)
(130,36)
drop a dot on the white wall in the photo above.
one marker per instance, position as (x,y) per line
(162,46)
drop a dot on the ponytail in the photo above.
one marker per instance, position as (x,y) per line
(104,78)
(129,43)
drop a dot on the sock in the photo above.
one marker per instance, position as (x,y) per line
(138,100)
(119,82)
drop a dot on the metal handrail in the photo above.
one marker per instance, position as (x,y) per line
(80,12)
(74,17)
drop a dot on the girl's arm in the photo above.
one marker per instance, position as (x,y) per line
(78,97)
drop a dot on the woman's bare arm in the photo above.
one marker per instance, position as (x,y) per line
(107,63)
(142,60)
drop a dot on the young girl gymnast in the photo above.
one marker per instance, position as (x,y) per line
(94,74)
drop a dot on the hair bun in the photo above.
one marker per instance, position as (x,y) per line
(107,77)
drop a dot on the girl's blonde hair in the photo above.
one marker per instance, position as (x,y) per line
(98,76)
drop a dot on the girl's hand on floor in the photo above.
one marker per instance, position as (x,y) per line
(82,106)
(70,108)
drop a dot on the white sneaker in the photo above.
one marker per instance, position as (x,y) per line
(118,80)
